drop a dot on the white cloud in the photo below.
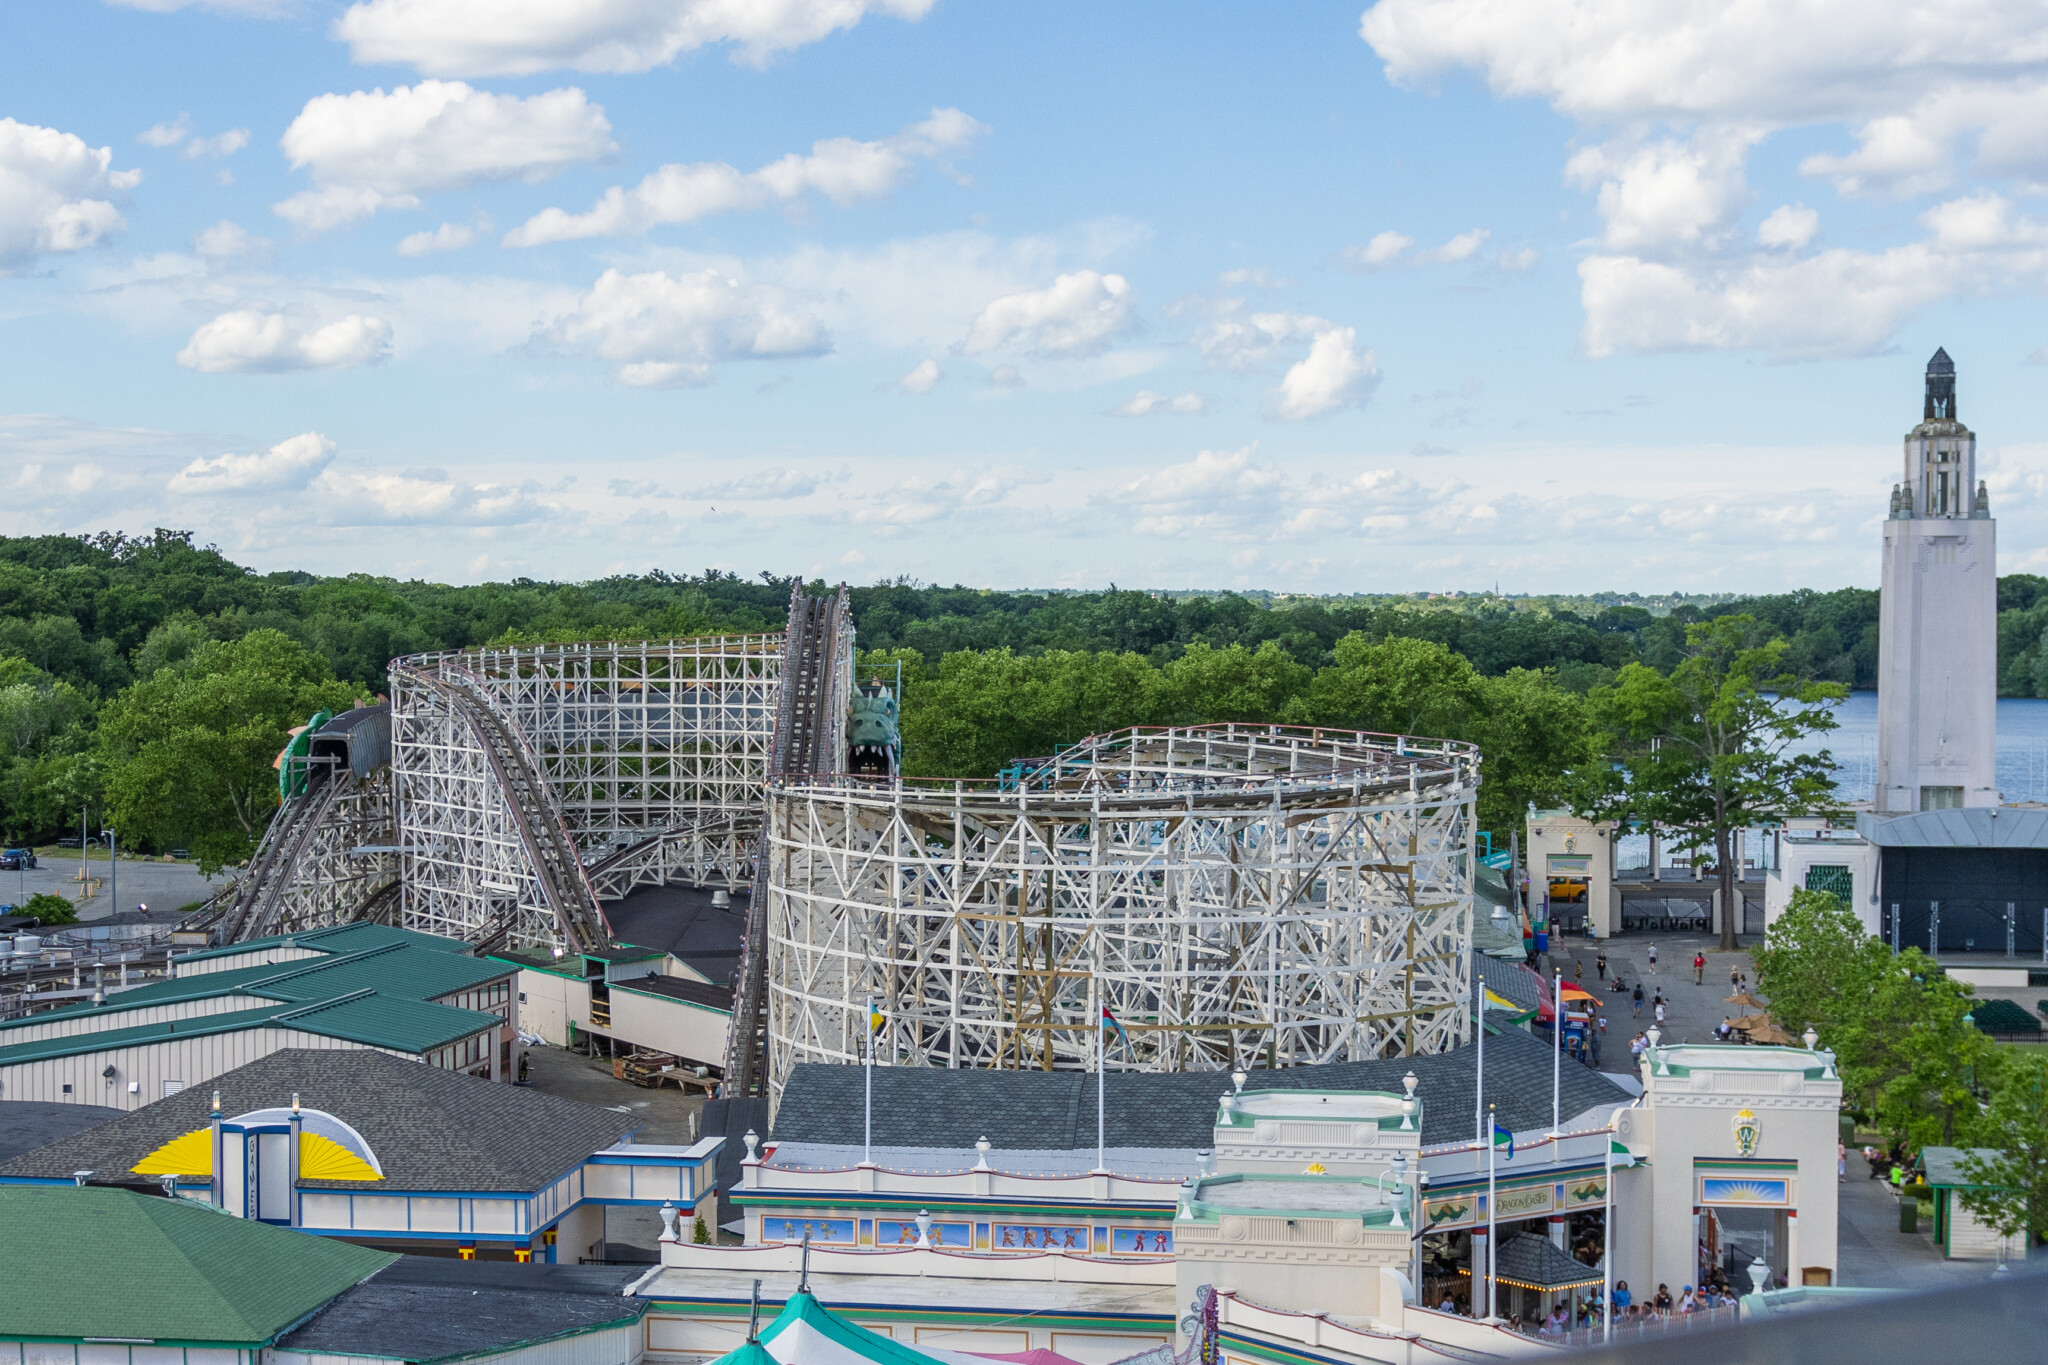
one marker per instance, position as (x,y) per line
(923,379)
(1667,195)
(370,150)
(1079,314)
(1334,374)
(1516,262)
(490,37)
(1217,491)
(247,340)
(1243,343)
(666,331)
(1253,277)
(1789,226)
(447,237)
(1145,402)
(840,168)
(219,145)
(51,185)
(289,465)
(1460,248)
(381,497)
(1379,253)
(226,240)
(166,134)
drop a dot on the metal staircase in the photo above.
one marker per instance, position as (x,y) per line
(558,869)
(809,724)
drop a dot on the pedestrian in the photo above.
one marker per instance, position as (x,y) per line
(1734,980)
(1653,959)
(1622,1298)
(1841,1162)
(1578,970)
(1660,1014)
(1699,969)
(1727,1029)
(1636,1000)
(1600,965)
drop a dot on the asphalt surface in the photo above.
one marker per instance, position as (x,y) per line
(1692,1011)
(163,887)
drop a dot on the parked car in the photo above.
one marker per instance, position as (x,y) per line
(15,859)
(70,841)
(181,853)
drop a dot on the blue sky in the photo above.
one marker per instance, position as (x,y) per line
(1559,294)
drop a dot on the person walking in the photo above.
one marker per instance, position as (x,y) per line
(1636,1000)
(1660,1014)
(1578,970)
(1699,969)
(1600,965)
(1653,959)
(1734,979)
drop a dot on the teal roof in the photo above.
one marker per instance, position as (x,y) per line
(362,1017)
(391,969)
(112,1263)
(340,938)
(804,1311)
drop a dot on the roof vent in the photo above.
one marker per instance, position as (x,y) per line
(721,900)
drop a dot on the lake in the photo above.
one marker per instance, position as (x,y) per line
(2022,747)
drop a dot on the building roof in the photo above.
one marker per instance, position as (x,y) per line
(365,1017)
(2002,1016)
(1055,1110)
(392,969)
(185,1272)
(424,1308)
(28,1124)
(680,988)
(340,938)
(1511,981)
(682,921)
(1944,1165)
(431,1129)
(1973,827)
(804,1333)
(1145,1163)
(1530,1260)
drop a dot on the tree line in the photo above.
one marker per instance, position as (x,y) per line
(144,677)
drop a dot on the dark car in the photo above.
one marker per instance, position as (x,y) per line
(15,859)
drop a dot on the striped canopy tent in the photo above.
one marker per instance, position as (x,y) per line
(804,1333)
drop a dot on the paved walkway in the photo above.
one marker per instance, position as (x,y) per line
(1692,1011)
(1874,1254)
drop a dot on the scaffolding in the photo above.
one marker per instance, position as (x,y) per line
(534,782)
(1231,894)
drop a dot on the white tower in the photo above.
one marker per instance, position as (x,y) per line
(1937,655)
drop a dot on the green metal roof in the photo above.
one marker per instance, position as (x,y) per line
(112,1263)
(1944,1166)
(340,938)
(391,969)
(363,1017)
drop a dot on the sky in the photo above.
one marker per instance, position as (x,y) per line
(1553,295)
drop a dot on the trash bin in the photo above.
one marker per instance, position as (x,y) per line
(1909,1213)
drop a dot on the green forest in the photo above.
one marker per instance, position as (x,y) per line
(151,679)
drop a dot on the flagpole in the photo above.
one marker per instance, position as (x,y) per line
(1101,1060)
(867,1142)
(1556,1060)
(1479,1081)
(1607,1246)
(1492,1224)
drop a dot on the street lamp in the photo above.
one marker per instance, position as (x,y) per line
(113,869)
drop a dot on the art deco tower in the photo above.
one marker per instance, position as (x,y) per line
(1937,658)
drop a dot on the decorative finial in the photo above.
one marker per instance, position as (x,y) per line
(981,1153)
(1810,1038)
(295,1104)
(1237,1079)
(753,1140)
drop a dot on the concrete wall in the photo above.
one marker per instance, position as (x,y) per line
(551,1004)
(1555,844)
(1797,854)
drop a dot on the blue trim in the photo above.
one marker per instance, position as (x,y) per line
(609,1159)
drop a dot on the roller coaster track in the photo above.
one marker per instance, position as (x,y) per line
(558,870)
(805,730)
(258,892)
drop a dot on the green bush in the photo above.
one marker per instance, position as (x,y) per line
(48,909)
(700,1234)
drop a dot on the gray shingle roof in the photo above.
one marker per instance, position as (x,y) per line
(431,1129)
(422,1309)
(934,1107)
(28,1124)
(1529,1258)
(683,921)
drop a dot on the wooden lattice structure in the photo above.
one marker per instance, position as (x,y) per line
(1232,894)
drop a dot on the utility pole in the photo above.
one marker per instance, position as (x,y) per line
(113,869)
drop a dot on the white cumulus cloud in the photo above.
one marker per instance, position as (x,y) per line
(226,240)
(1077,315)
(1462,247)
(1790,226)
(1335,374)
(1145,402)
(665,331)
(1669,194)
(51,193)
(251,340)
(290,464)
(842,169)
(1240,343)
(520,37)
(447,237)
(923,379)
(1379,253)
(374,149)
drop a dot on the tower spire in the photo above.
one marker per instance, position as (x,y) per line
(1941,389)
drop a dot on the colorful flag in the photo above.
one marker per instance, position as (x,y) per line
(1620,1155)
(1109,1023)
(875,1020)
(1502,1138)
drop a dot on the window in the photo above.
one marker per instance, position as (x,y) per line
(1941,798)
(1832,878)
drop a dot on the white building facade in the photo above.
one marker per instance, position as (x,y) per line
(1937,667)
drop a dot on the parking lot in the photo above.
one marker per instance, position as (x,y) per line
(163,886)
